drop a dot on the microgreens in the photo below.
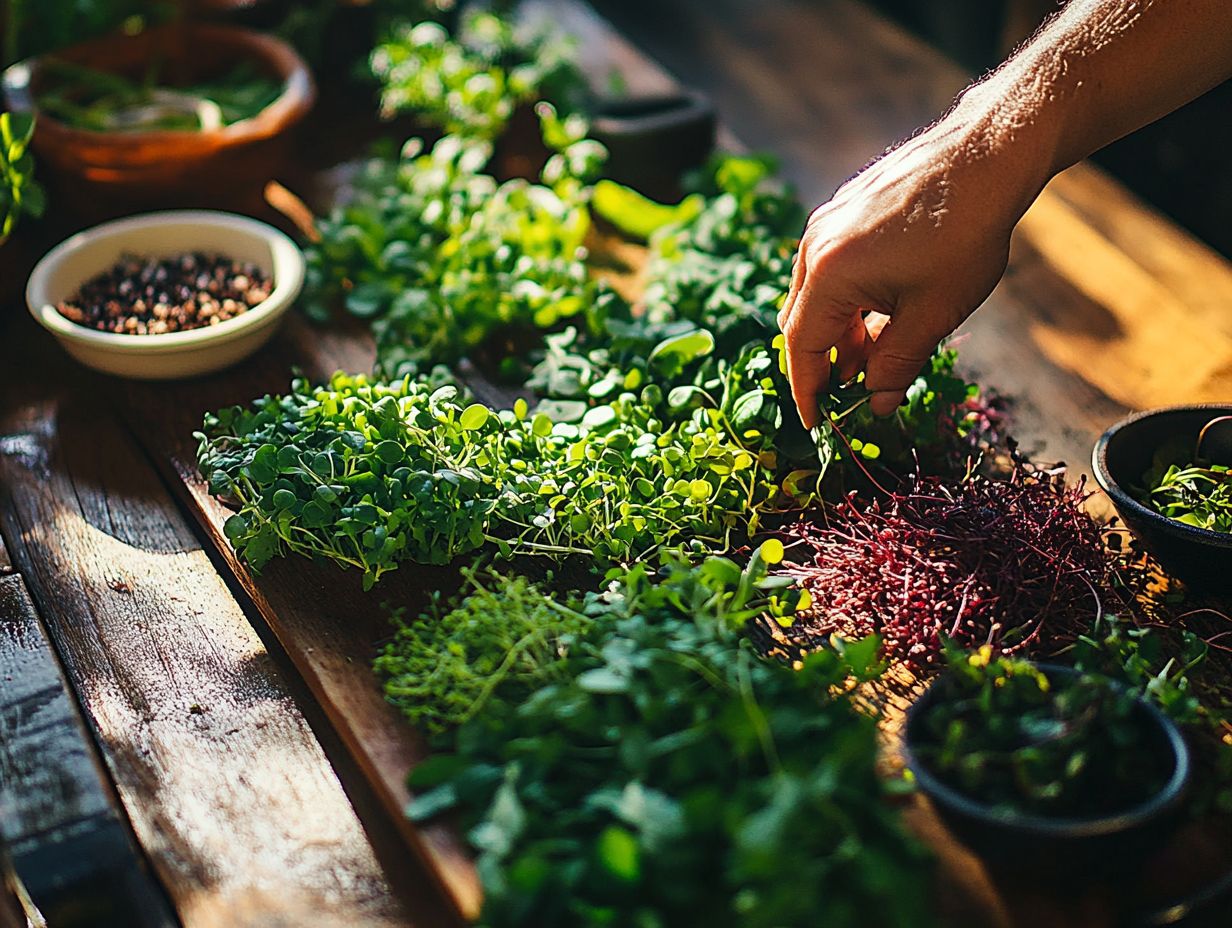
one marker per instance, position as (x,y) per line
(1197,494)
(471,84)
(444,260)
(370,474)
(663,772)
(1022,740)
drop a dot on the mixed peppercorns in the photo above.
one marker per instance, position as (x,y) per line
(154,296)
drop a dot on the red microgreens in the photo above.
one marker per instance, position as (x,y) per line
(1012,563)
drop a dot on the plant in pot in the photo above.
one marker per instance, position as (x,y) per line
(485,78)
(481,81)
(1046,768)
(19,192)
(175,114)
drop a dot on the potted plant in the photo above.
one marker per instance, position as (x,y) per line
(19,192)
(174,114)
(1046,768)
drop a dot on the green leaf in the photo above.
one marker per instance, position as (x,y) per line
(602,680)
(432,803)
(861,655)
(618,852)
(389,451)
(368,299)
(235,528)
(684,348)
(639,216)
(474,417)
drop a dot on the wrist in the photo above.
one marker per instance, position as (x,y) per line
(1018,148)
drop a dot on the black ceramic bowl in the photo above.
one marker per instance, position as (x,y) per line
(653,140)
(1065,849)
(1121,457)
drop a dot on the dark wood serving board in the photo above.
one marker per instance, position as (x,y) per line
(174,650)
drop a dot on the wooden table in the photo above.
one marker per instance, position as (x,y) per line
(181,742)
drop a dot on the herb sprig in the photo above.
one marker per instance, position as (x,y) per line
(19,192)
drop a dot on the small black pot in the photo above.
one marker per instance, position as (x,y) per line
(1123,454)
(1064,850)
(652,140)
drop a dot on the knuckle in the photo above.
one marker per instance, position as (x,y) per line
(893,370)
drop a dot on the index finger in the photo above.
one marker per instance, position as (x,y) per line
(814,325)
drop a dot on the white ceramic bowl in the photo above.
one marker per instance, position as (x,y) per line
(164,234)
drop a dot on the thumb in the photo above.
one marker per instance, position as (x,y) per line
(899,354)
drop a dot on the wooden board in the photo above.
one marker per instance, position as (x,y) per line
(328,627)
(68,843)
(227,789)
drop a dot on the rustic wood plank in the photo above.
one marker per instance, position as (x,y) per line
(328,627)
(228,791)
(67,840)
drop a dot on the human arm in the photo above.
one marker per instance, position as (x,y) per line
(922,234)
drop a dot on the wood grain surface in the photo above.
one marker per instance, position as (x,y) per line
(329,628)
(228,792)
(68,843)
(227,789)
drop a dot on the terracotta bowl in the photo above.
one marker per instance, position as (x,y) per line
(164,166)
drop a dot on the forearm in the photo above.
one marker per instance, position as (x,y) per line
(1097,71)
(922,235)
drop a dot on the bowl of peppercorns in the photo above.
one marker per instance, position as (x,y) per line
(167,295)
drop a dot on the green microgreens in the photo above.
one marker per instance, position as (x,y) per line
(443,259)
(1024,742)
(471,84)
(1197,494)
(504,636)
(371,474)
(661,773)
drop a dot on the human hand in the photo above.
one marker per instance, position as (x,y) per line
(917,240)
